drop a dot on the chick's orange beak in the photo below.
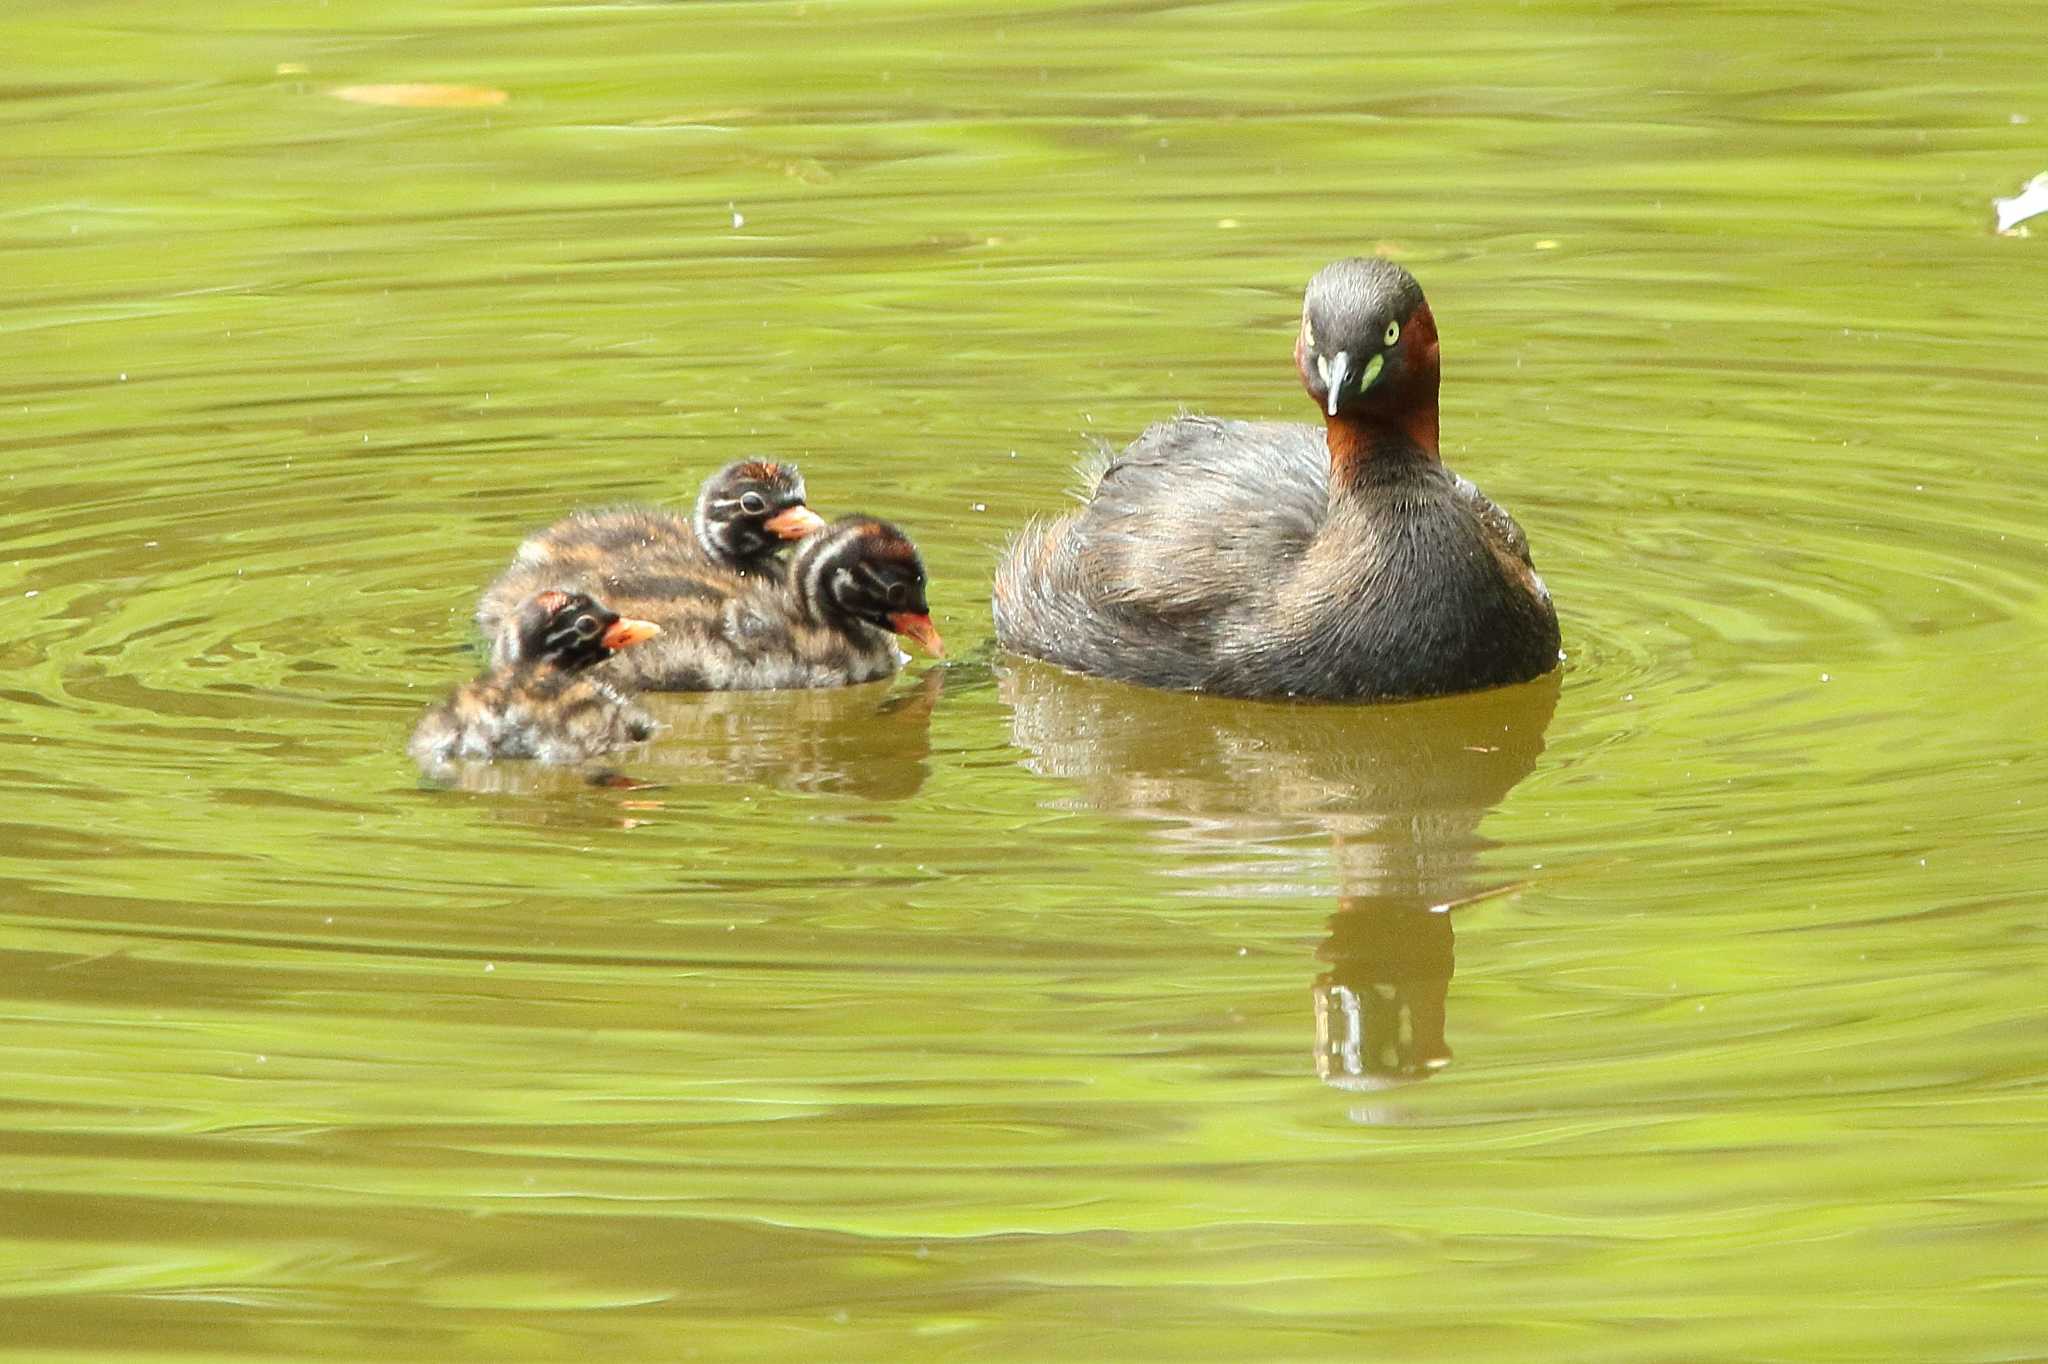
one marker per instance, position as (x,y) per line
(626,633)
(794,523)
(920,628)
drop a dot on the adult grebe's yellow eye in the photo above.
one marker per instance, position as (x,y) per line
(1393,333)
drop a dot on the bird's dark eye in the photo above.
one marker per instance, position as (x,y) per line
(753,504)
(1393,333)
(587,627)
(898,593)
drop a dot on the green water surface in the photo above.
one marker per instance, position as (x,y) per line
(1688,1006)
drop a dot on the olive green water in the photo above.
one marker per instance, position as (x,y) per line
(1687,1008)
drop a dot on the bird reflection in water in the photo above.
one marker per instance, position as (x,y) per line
(1399,790)
(1380,1006)
(872,742)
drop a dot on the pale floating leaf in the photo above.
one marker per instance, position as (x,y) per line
(415,96)
(2032,199)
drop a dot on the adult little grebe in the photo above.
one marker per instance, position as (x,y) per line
(544,703)
(745,513)
(1275,559)
(830,622)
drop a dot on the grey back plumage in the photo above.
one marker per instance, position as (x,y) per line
(1212,557)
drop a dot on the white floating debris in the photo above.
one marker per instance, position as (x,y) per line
(2032,199)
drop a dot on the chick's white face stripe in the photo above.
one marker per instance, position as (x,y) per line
(842,583)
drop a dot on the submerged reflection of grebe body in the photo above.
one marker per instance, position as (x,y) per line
(1400,791)
(1380,1007)
(870,742)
